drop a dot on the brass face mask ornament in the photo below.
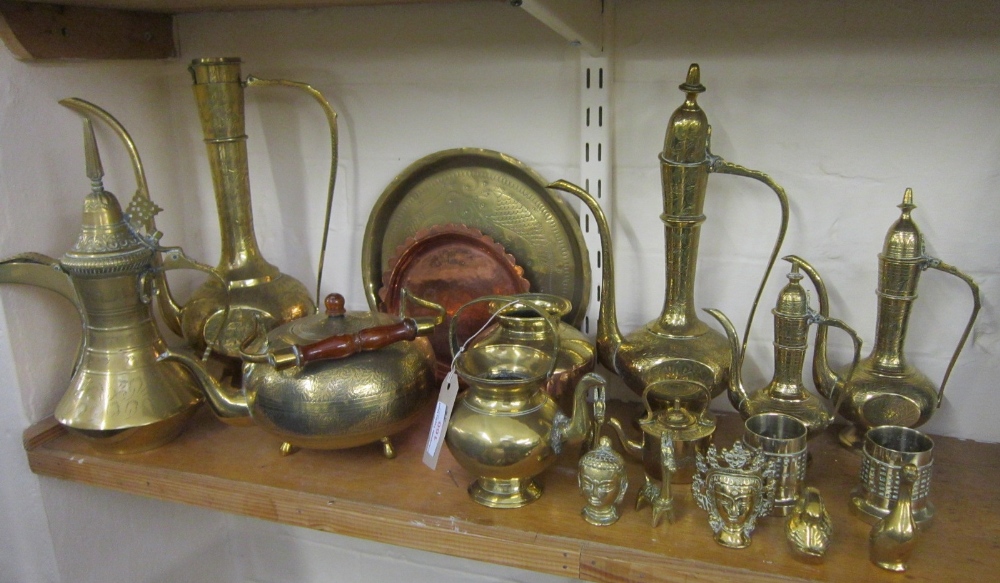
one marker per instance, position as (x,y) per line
(735,486)
(249,291)
(677,345)
(786,392)
(121,397)
(885,389)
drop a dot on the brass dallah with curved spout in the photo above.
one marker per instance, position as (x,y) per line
(786,392)
(121,397)
(885,388)
(250,290)
(677,345)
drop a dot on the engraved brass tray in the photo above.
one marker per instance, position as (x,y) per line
(491,192)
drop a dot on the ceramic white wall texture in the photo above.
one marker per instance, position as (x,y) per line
(845,103)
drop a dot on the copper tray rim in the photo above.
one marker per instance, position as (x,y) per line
(397,190)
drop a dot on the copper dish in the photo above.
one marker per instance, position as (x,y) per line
(450,265)
(495,194)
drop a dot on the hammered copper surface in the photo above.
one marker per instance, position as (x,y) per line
(493,193)
(451,265)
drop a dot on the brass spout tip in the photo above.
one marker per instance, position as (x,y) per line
(693,82)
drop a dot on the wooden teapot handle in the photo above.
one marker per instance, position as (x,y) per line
(344,345)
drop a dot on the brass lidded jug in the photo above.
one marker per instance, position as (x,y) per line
(786,393)
(121,397)
(249,290)
(885,389)
(677,345)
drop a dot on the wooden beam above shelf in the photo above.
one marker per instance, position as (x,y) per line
(34,31)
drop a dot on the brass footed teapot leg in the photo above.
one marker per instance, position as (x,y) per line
(288,449)
(387,448)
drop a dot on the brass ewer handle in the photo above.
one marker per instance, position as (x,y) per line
(331,118)
(718,165)
(511,303)
(934,263)
(821,320)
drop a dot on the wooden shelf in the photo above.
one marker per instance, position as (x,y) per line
(358,493)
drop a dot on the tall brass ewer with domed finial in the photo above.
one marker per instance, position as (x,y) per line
(885,388)
(258,292)
(677,345)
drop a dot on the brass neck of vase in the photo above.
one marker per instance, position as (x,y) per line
(218,91)
(684,168)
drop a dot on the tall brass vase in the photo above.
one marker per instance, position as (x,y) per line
(258,291)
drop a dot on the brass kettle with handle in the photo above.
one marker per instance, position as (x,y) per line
(332,381)
(677,345)
(122,398)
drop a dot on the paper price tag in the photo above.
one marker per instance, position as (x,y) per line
(442,413)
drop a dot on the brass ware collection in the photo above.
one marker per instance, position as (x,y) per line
(474,266)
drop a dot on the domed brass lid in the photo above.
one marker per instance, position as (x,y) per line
(793,301)
(687,132)
(904,241)
(107,244)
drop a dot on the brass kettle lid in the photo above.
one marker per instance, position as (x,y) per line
(904,240)
(106,243)
(337,320)
(686,418)
(793,300)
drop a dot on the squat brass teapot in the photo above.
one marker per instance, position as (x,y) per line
(677,345)
(121,397)
(786,392)
(332,381)
(886,389)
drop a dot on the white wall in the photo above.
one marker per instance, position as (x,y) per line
(844,103)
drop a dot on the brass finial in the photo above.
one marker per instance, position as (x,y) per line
(794,275)
(95,171)
(693,82)
(907,205)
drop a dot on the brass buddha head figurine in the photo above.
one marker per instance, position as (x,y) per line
(603,482)
(735,487)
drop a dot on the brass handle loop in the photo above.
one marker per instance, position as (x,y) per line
(331,118)
(976,305)
(512,302)
(721,166)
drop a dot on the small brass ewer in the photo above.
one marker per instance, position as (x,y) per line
(121,397)
(677,345)
(505,428)
(786,392)
(885,389)
(256,291)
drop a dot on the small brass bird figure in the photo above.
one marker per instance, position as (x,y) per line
(808,528)
(892,540)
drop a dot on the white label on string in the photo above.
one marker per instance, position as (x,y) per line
(442,413)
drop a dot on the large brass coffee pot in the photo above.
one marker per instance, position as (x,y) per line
(332,381)
(677,345)
(121,397)
(505,429)
(786,393)
(886,389)
(225,310)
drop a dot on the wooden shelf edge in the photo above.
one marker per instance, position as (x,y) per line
(34,31)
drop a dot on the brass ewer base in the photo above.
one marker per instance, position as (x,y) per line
(505,492)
